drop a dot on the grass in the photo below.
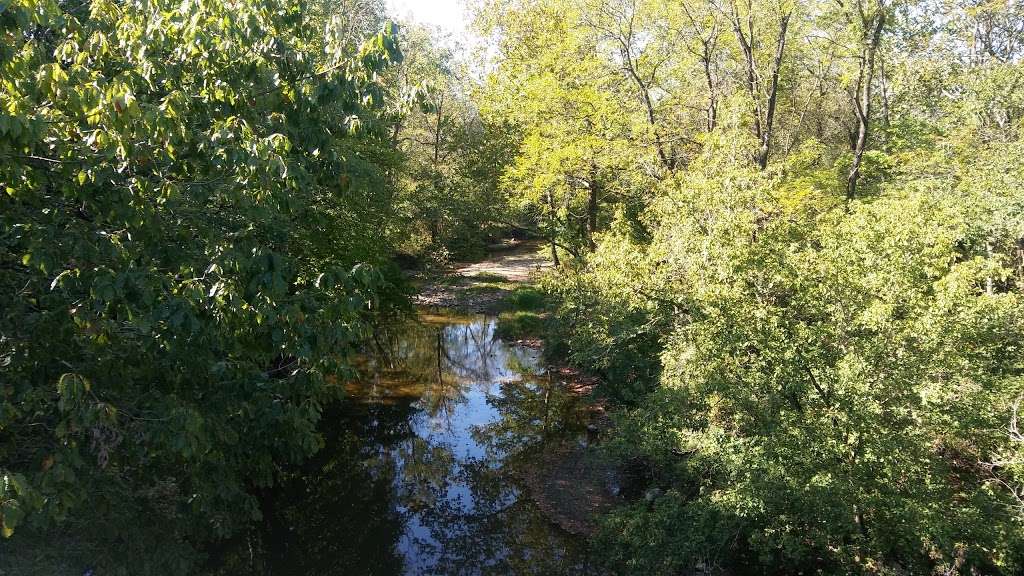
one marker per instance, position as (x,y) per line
(489,287)
(519,325)
(451,280)
(488,277)
(526,299)
(524,315)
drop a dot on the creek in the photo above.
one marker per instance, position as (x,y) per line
(423,465)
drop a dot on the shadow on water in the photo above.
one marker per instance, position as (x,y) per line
(420,466)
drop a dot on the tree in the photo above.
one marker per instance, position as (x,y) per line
(764,95)
(580,153)
(191,196)
(869,22)
(448,180)
(814,383)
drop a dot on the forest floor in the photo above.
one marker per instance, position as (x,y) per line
(572,482)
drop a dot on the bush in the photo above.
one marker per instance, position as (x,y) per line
(183,268)
(830,383)
(604,326)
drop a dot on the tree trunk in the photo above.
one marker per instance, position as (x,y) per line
(862,98)
(885,93)
(625,39)
(551,233)
(751,65)
(592,218)
(1020,264)
(712,113)
(708,41)
(592,191)
(773,93)
(764,119)
(437,130)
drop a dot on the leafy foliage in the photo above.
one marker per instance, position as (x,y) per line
(790,238)
(804,276)
(449,200)
(190,195)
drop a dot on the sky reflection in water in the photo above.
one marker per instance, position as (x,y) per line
(419,471)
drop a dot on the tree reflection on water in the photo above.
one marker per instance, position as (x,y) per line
(418,474)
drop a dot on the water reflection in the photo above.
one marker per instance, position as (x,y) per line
(419,471)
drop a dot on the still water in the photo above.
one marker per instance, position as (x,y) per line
(422,469)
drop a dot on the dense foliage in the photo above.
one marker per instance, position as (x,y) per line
(797,232)
(789,238)
(190,194)
(450,203)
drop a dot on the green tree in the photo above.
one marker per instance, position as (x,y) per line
(820,347)
(449,198)
(190,193)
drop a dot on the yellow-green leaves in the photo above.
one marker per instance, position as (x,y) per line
(71,390)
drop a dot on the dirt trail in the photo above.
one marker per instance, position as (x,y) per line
(481,286)
(518,265)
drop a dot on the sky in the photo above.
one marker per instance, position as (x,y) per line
(449,15)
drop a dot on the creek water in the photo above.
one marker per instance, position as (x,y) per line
(422,467)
